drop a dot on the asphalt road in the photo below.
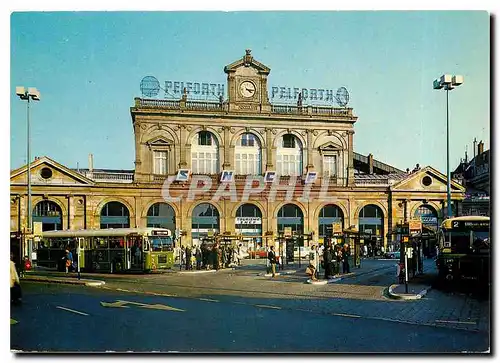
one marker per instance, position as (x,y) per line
(68,318)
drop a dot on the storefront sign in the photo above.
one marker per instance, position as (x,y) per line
(248,220)
(337,227)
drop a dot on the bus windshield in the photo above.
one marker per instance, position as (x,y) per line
(466,241)
(161,243)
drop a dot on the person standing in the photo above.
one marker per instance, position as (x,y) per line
(188,258)
(271,256)
(15,287)
(345,259)
(314,262)
(198,257)
(327,258)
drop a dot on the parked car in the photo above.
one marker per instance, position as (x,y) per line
(259,253)
(395,254)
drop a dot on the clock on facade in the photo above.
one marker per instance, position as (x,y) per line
(247,89)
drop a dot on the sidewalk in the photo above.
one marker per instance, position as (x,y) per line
(61,279)
(418,286)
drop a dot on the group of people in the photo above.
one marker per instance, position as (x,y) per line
(206,256)
(333,257)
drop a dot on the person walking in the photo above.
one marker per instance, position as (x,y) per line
(271,256)
(15,287)
(68,260)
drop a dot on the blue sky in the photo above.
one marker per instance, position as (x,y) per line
(88,67)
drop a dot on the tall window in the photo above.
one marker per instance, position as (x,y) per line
(160,162)
(329,165)
(204,154)
(248,155)
(289,156)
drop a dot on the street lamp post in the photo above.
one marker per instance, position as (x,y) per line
(448,82)
(27,94)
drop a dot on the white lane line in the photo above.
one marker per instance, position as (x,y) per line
(455,322)
(268,307)
(73,311)
(204,299)
(347,315)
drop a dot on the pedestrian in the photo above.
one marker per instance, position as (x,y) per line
(314,262)
(15,287)
(68,259)
(239,254)
(271,256)
(183,257)
(198,257)
(345,259)
(337,257)
(327,260)
(188,258)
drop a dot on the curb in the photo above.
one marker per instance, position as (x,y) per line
(323,282)
(194,272)
(64,281)
(407,296)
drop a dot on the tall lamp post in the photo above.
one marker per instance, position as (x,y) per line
(27,94)
(448,82)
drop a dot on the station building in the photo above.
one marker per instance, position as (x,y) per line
(246,135)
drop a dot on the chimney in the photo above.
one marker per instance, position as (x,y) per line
(370,163)
(91,162)
(480,147)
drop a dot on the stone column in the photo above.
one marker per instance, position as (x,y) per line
(269,149)
(227,161)
(350,168)
(310,165)
(182,146)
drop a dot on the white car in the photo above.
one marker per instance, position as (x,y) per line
(304,252)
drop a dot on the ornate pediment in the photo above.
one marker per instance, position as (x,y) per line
(330,147)
(427,179)
(45,171)
(247,61)
(159,141)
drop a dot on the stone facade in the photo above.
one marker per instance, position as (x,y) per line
(171,129)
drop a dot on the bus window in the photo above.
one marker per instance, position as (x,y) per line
(156,244)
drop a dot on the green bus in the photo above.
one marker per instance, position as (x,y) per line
(114,250)
(464,250)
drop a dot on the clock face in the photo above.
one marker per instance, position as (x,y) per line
(247,89)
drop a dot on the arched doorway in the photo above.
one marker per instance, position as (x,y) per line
(371,222)
(248,222)
(161,215)
(115,215)
(205,219)
(328,215)
(430,223)
(428,215)
(50,214)
(290,215)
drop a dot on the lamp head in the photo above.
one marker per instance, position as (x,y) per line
(437,84)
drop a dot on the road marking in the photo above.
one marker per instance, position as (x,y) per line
(73,311)
(125,290)
(204,299)
(347,315)
(123,303)
(268,306)
(161,307)
(455,322)
(12,321)
(117,304)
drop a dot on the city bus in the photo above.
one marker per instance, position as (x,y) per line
(464,250)
(114,250)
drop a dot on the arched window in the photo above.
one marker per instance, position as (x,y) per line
(289,156)
(371,220)
(161,215)
(50,214)
(428,216)
(290,215)
(204,153)
(205,219)
(115,215)
(248,220)
(247,153)
(328,215)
